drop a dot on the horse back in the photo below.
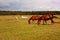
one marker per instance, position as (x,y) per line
(47,16)
(35,17)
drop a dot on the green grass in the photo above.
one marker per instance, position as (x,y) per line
(10,29)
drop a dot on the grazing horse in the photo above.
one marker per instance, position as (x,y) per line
(36,17)
(45,18)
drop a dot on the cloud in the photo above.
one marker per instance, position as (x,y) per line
(29,5)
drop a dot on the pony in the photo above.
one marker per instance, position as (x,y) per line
(47,17)
(32,18)
(24,16)
(16,18)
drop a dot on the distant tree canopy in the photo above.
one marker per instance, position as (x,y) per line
(28,12)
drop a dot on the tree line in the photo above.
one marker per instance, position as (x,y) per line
(29,12)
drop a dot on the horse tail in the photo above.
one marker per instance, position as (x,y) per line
(55,17)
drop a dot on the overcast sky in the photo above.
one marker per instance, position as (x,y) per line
(30,5)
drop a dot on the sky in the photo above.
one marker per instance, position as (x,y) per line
(30,5)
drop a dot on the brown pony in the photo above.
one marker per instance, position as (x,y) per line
(32,18)
(45,18)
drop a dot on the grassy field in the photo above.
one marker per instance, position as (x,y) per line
(10,29)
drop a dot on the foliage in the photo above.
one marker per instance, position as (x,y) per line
(28,12)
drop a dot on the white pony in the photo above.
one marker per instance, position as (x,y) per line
(16,18)
(24,16)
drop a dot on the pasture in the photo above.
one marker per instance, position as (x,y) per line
(11,29)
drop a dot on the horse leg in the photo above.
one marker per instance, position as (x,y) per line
(43,22)
(46,21)
(39,22)
(52,21)
(33,21)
